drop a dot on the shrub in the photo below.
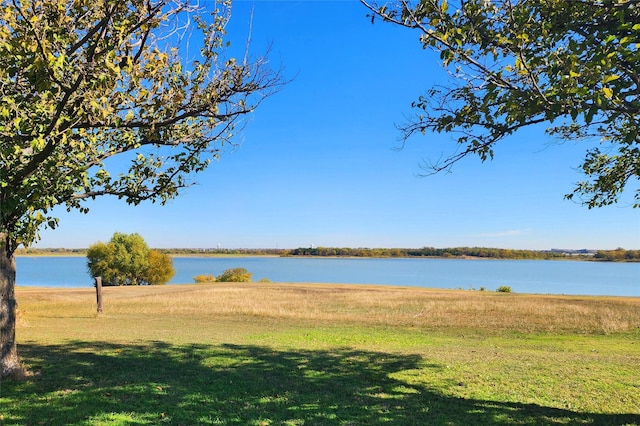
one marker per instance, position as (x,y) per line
(236,275)
(199,279)
(504,289)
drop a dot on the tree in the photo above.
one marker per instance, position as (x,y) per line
(127,260)
(572,65)
(159,269)
(84,82)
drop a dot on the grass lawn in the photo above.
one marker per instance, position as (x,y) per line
(312,354)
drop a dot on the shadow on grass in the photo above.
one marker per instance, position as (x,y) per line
(157,383)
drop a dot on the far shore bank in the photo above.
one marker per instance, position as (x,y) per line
(245,255)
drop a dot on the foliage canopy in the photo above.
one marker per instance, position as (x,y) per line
(127,260)
(572,65)
(83,81)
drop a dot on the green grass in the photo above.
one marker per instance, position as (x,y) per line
(241,354)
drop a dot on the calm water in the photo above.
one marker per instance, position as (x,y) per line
(524,276)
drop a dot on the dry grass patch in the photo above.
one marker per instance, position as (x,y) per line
(375,305)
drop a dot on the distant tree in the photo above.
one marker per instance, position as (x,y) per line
(127,260)
(159,269)
(84,83)
(100,263)
(572,65)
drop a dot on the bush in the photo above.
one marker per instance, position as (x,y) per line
(504,289)
(236,275)
(200,279)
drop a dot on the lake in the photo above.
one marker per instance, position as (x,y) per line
(523,276)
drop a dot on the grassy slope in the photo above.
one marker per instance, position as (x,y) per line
(270,354)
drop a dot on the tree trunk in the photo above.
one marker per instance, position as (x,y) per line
(9,363)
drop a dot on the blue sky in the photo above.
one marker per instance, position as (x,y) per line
(317,164)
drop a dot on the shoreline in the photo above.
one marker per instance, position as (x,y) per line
(576,258)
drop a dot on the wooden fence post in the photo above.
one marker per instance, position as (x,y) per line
(99,293)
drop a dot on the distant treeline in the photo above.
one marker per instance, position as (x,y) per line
(618,255)
(171,251)
(476,252)
(226,252)
(51,251)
